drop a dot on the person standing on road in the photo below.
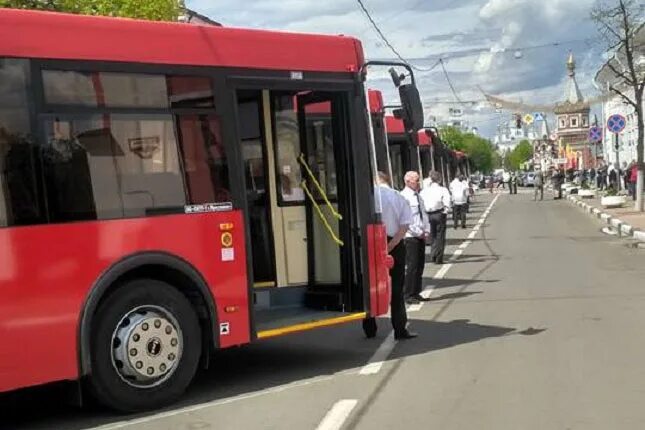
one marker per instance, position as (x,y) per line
(415,239)
(558,179)
(436,199)
(459,193)
(396,216)
(538,184)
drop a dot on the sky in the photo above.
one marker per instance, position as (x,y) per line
(478,40)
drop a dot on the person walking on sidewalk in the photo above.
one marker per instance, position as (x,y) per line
(436,199)
(558,180)
(538,184)
(459,192)
(415,239)
(397,216)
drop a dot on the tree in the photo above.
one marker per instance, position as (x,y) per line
(619,24)
(520,154)
(155,10)
(479,150)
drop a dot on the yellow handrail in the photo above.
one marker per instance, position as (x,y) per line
(302,161)
(315,204)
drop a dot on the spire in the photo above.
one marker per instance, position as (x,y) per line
(573,94)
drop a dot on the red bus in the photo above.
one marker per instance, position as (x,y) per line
(165,192)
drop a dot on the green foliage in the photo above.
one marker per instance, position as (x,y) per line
(520,154)
(479,150)
(155,10)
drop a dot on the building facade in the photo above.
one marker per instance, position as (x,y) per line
(572,121)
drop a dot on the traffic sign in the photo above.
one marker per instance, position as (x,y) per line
(528,119)
(560,161)
(616,123)
(537,116)
(595,134)
(554,136)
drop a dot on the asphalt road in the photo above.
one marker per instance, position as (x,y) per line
(535,323)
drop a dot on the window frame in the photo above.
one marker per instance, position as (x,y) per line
(33,86)
(42,109)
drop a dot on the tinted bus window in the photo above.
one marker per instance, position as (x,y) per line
(18,191)
(103,89)
(205,162)
(287,149)
(111,166)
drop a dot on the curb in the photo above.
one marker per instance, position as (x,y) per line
(621,228)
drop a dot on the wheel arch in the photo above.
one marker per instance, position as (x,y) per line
(157,265)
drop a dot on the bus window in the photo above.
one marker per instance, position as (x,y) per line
(204,161)
(18,195)
(101,167)
(287,151)
(94,89)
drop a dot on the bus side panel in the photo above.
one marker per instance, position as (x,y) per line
(46,274)
(378,269)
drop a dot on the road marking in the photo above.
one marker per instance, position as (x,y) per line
(199,407)
(376,361)
(465,244)
(337,415)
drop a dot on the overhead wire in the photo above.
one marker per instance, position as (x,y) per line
(387,42)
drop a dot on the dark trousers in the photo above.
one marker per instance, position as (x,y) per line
(397,300)
(415,260)
(539,189)
(459,214)
(438,232)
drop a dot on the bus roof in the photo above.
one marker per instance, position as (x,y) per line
(376,101)
(47,35)
(424,138)
(394,125)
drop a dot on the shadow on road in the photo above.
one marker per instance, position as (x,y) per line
(438,335)
(255,367)
(455,282)
(451,296)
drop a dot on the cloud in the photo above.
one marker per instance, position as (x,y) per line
(477,37)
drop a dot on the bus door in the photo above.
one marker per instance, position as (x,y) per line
(292,146)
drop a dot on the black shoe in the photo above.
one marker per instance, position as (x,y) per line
(420,298)
(463,226)
(405,335)
(412,301)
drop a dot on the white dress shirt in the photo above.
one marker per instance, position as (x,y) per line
(459,191)
(420,224)
(395,210)
(436,198)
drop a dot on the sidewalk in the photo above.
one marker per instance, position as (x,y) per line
(625,220)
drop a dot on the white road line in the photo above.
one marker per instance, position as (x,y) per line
(194,408)
(376,361)
(337,415)
(465,244)
(472,235)
(442,272)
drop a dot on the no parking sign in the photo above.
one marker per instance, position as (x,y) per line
(616,123)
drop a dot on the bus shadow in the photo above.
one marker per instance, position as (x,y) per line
(260,366)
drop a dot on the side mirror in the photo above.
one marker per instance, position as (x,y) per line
(412,109)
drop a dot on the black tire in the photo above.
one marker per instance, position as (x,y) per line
(370,327)
(105,383)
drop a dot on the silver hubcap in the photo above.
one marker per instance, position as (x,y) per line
(146,346)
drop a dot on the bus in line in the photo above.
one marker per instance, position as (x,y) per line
(166,191)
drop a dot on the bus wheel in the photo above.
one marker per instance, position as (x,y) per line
(145,346)
(369,327)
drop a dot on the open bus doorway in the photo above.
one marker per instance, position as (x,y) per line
(295,147)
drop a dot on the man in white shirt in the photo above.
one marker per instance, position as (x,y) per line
(397,216)
(436,199)
(415,239)
(459,193)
